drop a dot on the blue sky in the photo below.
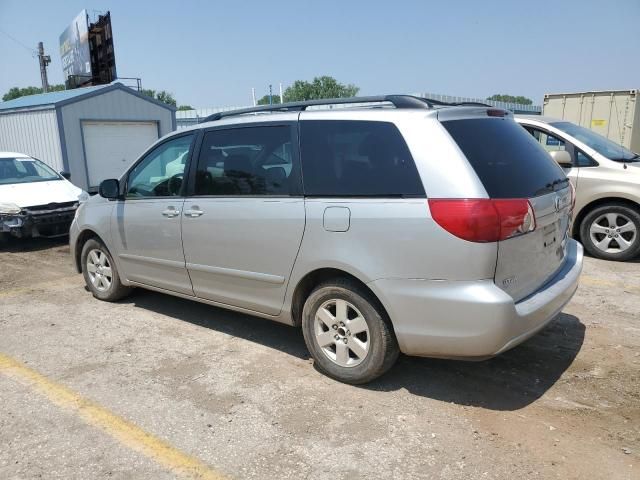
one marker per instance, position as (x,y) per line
(210,53)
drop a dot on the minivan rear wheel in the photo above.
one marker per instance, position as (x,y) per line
(100,272)
(611,232)
(347,332)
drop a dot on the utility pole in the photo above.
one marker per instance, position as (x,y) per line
(281,96)
(44,61)
(270,94)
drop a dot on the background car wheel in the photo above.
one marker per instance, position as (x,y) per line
(100,272)
(347,332)
(611,232)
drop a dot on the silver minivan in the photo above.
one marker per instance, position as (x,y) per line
(405,226)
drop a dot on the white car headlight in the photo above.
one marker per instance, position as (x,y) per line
(9,208)
(83,197)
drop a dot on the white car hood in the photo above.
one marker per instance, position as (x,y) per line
(39,193)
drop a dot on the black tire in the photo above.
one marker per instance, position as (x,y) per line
(382,344)
(595,215)
(115,291)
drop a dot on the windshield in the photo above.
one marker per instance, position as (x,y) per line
(600,144)
(25,170)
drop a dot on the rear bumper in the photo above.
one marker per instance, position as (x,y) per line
(472,318)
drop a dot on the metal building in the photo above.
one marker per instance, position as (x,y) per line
(93,133)
(614,114)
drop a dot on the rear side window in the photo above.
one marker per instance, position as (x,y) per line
(356,158)
(247,161)
(509,161)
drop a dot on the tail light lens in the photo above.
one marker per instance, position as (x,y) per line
(483,220)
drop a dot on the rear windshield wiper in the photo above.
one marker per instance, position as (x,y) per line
(551,186)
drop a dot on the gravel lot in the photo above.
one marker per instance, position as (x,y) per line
(240,394)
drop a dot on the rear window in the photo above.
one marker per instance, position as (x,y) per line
(509,161)
(356,158)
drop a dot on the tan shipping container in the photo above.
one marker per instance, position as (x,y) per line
(614,114)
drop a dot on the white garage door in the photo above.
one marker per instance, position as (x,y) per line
(110,147)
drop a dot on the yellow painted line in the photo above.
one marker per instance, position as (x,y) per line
(122,430)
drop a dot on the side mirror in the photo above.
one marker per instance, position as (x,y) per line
(110,189)
(66,175)
(562,158)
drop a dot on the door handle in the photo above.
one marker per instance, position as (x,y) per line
(193,212)
(170,212)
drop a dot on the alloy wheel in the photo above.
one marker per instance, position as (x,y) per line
(342,332)
(99,270)
(613,233)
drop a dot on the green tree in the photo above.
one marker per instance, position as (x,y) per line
(510,99)
(163,96)
(185,107)
(320,87)
(16,92)
(265,100)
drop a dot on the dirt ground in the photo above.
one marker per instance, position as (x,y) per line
(240,394)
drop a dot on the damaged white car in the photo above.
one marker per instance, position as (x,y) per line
(35,201)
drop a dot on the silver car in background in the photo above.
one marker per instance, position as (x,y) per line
(429,229)
(606,177)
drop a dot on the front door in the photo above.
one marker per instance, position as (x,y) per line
(146,225)
(243,222)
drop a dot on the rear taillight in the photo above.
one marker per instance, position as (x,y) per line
(483,220)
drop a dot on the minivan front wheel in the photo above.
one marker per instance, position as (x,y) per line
(100,272)
(612,232)
(347,332)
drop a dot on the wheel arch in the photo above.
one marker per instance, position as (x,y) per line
(584,211)
(314,278)
(82,238)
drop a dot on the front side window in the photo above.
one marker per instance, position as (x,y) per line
(584,160)
(161,173)
(25,170)
(356,158)
(549,142)
(246,161)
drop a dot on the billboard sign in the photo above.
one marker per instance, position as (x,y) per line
(74,48)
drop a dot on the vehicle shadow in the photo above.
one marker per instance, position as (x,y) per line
(16,245)
(259,330)
(510,381)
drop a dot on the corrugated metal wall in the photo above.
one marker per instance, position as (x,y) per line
(613,114)
(34,133)
(514,107)
(114,105)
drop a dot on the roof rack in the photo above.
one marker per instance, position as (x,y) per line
(440,103)
(398,101)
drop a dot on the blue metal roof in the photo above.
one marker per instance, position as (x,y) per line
(52,98)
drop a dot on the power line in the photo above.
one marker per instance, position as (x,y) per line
(31,50)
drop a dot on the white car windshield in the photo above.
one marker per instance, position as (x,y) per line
(602,145)
(25,170)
